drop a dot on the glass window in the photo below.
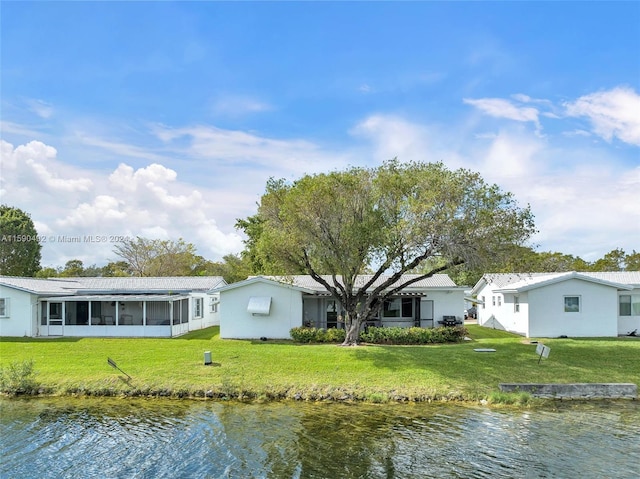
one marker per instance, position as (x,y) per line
(197,307)
(516,304)
(572,304)
(625,305)
(213,305)
(398,308)
(4,306)
(629,304)
(55,310)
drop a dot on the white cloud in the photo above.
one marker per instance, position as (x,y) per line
(37,161)
(500,108)
(40,108)
(119,148)
(612,113)
(149,201)
(393,136)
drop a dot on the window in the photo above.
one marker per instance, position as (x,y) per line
(4,307)
(572,304)
(493,300)
(629,304)
(483,302)
(398,308)
(197,307)
(499,300)
(516,304)
(213,305)
(55,310)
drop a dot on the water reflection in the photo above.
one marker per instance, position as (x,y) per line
(180,439)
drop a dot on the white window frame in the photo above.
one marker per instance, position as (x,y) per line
(197,307)
(516,304)
(4,307)
(213,305)
(570,308)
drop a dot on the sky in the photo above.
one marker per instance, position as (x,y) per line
(166,119)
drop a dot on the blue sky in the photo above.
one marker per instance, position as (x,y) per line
(165,119)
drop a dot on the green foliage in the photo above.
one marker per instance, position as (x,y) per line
(147,257)
(375,335)
(18,378)
(511,399)
(414,335)
(19,243)
(317,335)
(390,219)
(232,268)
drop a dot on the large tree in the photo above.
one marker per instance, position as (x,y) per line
(154,257)
(388,220)
(19,243)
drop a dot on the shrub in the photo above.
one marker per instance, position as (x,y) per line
(413,335)
(18,378)
(317,335)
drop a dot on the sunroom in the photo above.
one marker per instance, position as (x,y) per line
(115,315)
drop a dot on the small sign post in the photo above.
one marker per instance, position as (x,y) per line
(113,364)
(542,351)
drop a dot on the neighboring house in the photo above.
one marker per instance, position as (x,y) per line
(560,304)
(270,306)
(107,307)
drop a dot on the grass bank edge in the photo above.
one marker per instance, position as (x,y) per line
(283,370)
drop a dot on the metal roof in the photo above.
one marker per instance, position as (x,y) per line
(114,285)
(520,281)
(40,285)
(119,297)
(437,281)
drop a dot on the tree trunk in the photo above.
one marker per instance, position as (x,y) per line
(352,327)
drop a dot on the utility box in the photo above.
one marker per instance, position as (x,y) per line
(207,358)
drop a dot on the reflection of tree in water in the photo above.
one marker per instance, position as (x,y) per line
(339,440)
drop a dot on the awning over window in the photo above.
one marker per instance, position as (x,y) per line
(259,305)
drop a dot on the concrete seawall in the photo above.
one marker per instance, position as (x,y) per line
(575,390)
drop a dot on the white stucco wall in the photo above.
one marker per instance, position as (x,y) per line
(446,303)
(597,316)
(20,319)
(285,313)
(495,315)
(504,312)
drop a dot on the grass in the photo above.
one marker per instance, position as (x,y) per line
(282,369)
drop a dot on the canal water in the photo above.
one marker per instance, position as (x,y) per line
(125,438)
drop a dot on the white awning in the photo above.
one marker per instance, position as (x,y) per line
(259,305)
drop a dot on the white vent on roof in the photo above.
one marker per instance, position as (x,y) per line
(259,305)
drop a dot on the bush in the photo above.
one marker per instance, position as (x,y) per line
(413,335)
(317,335)
(18,378)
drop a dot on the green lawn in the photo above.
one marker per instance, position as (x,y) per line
(281,369)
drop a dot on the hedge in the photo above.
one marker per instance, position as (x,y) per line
(376,335)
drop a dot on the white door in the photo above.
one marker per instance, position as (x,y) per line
(426,313)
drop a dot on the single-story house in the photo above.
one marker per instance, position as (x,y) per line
(108,307)
(270,306)
(560,304)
